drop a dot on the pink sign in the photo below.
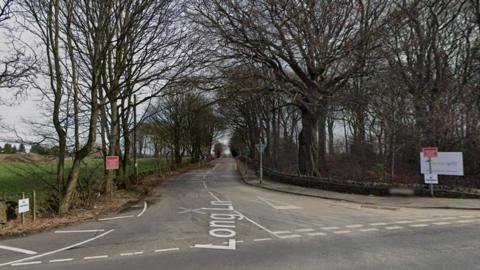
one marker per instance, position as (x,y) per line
(112,162)
(430,152)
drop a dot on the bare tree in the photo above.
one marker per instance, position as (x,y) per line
(315,46)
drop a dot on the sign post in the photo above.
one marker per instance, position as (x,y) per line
(430,178)
(23,207)
(261,147)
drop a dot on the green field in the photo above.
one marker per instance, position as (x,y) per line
(18,177)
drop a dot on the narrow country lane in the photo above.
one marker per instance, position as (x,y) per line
(209,219)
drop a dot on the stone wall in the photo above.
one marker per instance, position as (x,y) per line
(355,187)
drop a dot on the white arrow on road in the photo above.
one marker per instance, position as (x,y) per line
(278,205)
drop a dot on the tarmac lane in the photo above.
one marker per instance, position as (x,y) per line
(209,219)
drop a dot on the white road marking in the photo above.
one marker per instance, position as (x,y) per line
(442,223)
(204,184)
(305,230)
(404,222)
(369,230)
(419,225)
(19,250)
(95,257)
(341,232)
(256,224)
(278,205)
(466,216)
(119,217)
(26,263)
(215,197)
(232,245)
(330,228)
(261,239)
(316,234)
(281,232)
(393,227)
(290,236)
(61,260)
(354,226)
(465,221)
(379,224)
(424,220)
(166,249)
(132,253)
(186,210)
(144,209)
(81,231)
(238,241)
(58,250)
(446,218)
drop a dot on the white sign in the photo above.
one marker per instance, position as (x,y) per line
(446,163)
(23,205)
(260,147)
(431,178)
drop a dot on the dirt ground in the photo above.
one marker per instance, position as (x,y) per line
(23,157)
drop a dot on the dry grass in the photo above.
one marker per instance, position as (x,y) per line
(45,223)
(103,206)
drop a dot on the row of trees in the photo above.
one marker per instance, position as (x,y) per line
(357,83)
(12,149)
(96,62)
(182,125)
(363,84)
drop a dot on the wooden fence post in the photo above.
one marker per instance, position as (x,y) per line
(23,214)
(34,208)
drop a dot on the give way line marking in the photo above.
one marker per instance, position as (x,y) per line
(57,250)
(278,205)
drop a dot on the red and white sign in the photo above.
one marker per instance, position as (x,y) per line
(112,162)
(430,152)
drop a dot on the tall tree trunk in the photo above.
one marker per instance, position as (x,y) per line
(306,148)
(322,135)
(113,146)
(55,74)
(331,136)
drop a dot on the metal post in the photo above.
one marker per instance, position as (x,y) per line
(430,172)
(135,165)
(23,214)
(34,208)
(261,167)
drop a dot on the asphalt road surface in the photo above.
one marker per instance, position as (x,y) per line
(208,219)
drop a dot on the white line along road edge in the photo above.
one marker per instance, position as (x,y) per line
(144,209)
(112,218)
(57,250)
(81,231)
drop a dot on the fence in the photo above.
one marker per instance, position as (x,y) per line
(350,186)
(11,209)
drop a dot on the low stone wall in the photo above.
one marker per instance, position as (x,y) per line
(355,187)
